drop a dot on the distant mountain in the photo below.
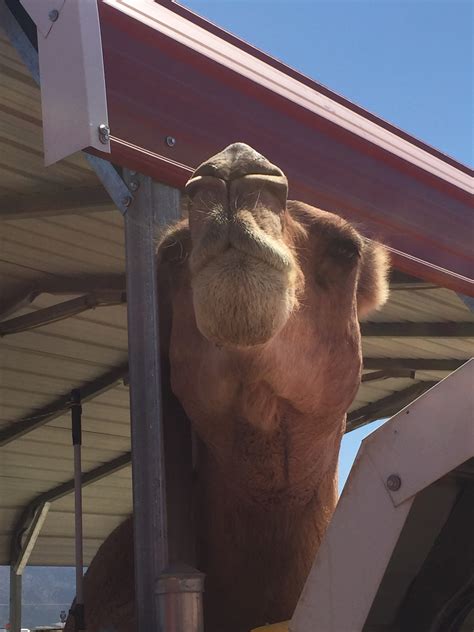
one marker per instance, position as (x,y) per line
(46,591)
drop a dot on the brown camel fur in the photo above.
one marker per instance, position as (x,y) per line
(264,350)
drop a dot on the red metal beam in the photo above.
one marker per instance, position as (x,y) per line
(161,82)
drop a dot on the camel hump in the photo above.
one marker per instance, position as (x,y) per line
(236,161)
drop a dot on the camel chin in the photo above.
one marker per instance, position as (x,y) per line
(241,300)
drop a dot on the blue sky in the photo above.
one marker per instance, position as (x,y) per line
(408,61)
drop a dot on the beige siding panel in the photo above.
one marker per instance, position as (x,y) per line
(31,487)
(107,427)
(11,273)
(24,447)
(61,463)
(114,219)
(12,91)
(20,380)
(111,317)
(9,414)
(55,437)
(52,551)
(95,525)
(86,332)
(106,506)
(94,225)
(47,260)
(68,239)
(11,396)
(372,391)
(424,306)
(32,164)
(8,517)
(36,340)
(15,497)
(18,245)
(450,348)
(75,370)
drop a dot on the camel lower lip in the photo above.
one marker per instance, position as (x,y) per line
(200,263)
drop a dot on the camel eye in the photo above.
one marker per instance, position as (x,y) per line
(345,250)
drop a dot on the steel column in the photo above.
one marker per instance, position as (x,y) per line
(153,205)
(15,601)
(76,422)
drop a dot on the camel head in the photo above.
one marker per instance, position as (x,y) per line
(251,252)
(244,275)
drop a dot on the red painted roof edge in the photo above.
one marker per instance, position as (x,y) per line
(416,251)
(295,74)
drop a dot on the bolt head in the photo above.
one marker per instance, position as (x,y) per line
(104,133)
(394,482)
(53,15)
(170,141)
(133,185)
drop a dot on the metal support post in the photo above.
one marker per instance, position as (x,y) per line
(15,600)
(20,554)
(76,415)
(153,205)
(179,593)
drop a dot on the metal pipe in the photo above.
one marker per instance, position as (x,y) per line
(179,591)
(76,418)
(15,600)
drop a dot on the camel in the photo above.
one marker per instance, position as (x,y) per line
(264,297)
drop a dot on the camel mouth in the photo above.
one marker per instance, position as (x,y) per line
(244,286)
(244,239)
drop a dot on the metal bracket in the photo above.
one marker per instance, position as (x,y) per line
(467,300)
(44,13)
(397,448)
(73,95)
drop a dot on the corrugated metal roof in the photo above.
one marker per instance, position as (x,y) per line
(433,304)
(43,249)
(39,365)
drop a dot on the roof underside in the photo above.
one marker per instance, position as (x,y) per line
(62,239)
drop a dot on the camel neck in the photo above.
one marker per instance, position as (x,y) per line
(270,543)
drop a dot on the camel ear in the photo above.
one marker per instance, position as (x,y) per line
(372,288)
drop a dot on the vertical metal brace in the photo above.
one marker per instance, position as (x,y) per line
(76,423)
(15,600)
(153,205)
(19,560)
(30,538)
